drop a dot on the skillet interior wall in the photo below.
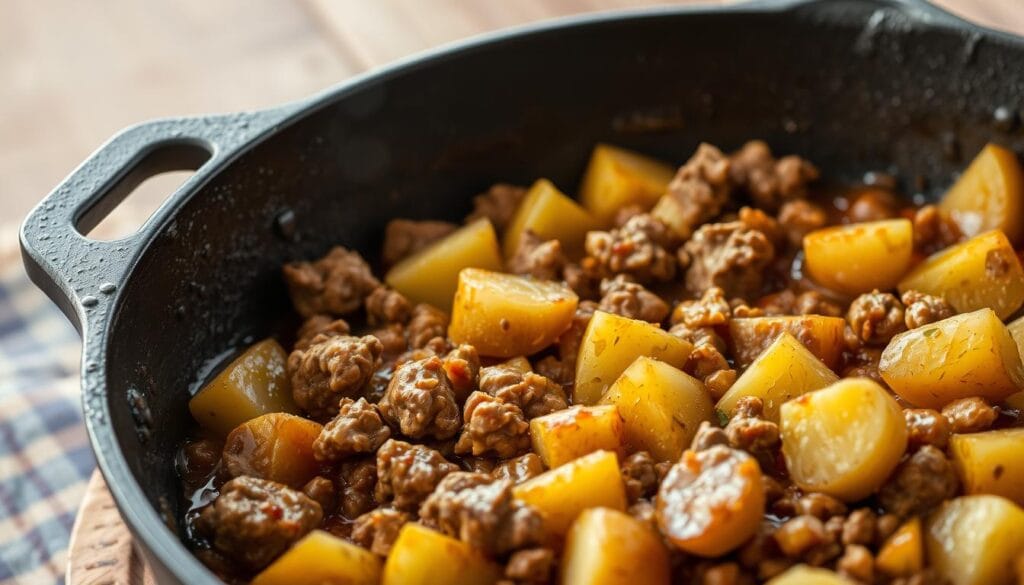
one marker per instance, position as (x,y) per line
(852,86)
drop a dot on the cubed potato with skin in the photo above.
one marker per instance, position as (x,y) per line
(972,354)
(321,558)
(662,407)
(975,540)
(504,315)
(983,272)
(576,431)
(989,195)
(421,556)
(607,547)
(611,343)
(563,493)
(276,446)
(616,178)
(254,383)
(902,555)
(549,214)
(843,440)
(782,372)
(991,463)
(804,575)
(823,336)
(432,274)
(860,257)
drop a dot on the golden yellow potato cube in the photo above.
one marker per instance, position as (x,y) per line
(607,547)
(860,257)
(972,354)
(616,177)
(576,431)
(843,440)
(974,540)
(551,216)
(662,407)
(564,492)
(902,555)
(804,575)
(321,558)
(421,556)
(784,371)
(504,315)
(823,336)
(989,195)
(983,272)
(276,446)
(432,274)
(991,463)
(255,383)
(611,343)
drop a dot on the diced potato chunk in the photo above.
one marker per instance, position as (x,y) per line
(611,343)
(255,383)
(1016,329)
(804,575)
(859,257)
(432,274)
(989,195)
(981,272)
(552,216)
(843,440)
(571,433)
(275,446)
(974,540)
(823,336)
(991,463)
(617,177)
(421,556)
(607,547)
(662,407)
(564,492)
(321,558)
(504,315)
(784,371)
(966,355)
(902,555)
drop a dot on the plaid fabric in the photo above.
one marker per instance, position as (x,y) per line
(45,458)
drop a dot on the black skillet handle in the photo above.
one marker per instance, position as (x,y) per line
(80,274)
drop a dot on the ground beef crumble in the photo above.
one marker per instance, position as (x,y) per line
(318,325)
(919,484)
(493,427)
(357,428)
(498,204)
(630,299)
(700,189)
(876,317)
(969,415)
(385,305)
(336,284)
(770,181)
(403,237)
(730,256)
(538,258)
(639,249)
(330,369)
(407,474)
(378,529)
(420,401)
(426,324)
(922,309)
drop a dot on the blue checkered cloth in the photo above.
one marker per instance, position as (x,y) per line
(45,458)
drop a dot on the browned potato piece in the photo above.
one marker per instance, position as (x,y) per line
(983,272)
(804,575)
(504,315)
(254,383)
(321,558)
(860,257)
(989,195)
(902,555)
(617,177)
(974,540)
(607,547)
(573,432)
(991,463)
(966,355)
(551,216)
(823,336)
(421,556)
(276,446)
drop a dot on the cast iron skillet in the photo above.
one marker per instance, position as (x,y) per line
(854,85)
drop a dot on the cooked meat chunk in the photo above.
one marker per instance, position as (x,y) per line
(708,436)
(332,369)
(876,317)
(538,258)
(407,474)
(562,369)
(494,427)
(629,299)
(641,475)
(798,537)
(821,506)
(756,219)
(922,309)
(534,394)
(462,366)
(707,363)
(355,482)
(859,527)
(919,484)
(800,217)
(627,213)
(709,310)
(403,237)
(420,400)
(934,230)
(427,323)
(533,566)
(768,181)
(317,325)
(638,249)
(857,563)
(498,204)
(701,188)
(969,415)
(357,428)
(254,520)
(730,256)
(385,305)
(321,490)
(519,469)
(814,303)
(335,284)
(392,339)
(748,431)
(926,427)
(378,529)
(479,510)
